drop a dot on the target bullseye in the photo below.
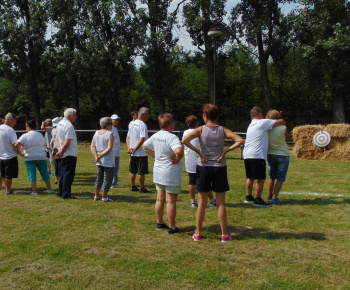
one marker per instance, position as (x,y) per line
(322,139)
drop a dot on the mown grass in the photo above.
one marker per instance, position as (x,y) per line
(47,242)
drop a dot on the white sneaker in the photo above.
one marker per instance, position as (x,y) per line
(96,197)
(34,193)
(50,191)
(107,199)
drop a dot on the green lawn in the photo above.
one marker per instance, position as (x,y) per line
(47,242)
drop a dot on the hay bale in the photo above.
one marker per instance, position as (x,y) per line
(303,145)
(338,130)
(310,154)
(306,132)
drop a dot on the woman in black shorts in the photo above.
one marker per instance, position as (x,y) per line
(211,171)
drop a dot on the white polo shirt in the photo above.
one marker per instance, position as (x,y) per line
(65,130)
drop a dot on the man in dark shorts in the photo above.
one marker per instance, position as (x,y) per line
(8,152)
(255,154)
(137,135)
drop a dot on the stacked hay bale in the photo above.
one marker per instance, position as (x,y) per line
(337,150)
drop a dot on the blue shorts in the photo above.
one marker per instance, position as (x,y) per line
(211,178)
(278,166)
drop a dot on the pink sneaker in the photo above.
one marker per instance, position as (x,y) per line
(226,238)
(196,237)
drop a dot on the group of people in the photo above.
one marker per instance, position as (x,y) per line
(203,150)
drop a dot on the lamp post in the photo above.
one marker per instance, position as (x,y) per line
(214,33)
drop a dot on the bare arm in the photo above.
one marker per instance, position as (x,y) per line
(17,146)
(233,137)
(148,151)
(64,147)
(93,149)
(179,153)
(286,134)
(196,133)
(279,122)
(128,143)
(138,145)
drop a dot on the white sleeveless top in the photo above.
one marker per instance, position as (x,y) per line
(101,143)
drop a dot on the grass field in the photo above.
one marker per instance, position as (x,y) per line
(47,242)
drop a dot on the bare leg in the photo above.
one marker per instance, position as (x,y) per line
(33,185)
(104,194)
(220,204)
(249,185)
(97,192)
(141,179)
(192,191)
(202,205)
(159,207)
(132,179)
(259,187)
(48,184)
(270,186)
(277,188)
(8,184)
(210,195)
(171,199)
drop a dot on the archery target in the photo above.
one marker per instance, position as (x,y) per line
(322,139)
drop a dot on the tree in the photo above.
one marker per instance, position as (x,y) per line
(199,17)
(253,24)
(322,30)
(23,26)
(158,45)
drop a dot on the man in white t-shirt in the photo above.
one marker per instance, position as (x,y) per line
(67,145)
(137,135)
(255,154)
(116,148)
(8,152)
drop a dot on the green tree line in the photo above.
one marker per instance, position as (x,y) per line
(86,54)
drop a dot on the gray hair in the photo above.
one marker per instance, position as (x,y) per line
(69,112)
(105,121)
(142,110)
(255,112)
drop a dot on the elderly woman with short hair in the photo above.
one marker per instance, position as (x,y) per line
(167,151)
(34,155)
(101,148)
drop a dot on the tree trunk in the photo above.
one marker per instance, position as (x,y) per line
(263,58)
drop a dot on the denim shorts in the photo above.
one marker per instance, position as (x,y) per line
(278,166)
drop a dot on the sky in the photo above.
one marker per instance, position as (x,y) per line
(184,38)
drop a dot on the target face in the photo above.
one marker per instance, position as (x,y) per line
(322,138)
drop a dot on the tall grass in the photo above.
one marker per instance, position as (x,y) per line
(47,242)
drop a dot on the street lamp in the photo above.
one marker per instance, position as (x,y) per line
(214,33)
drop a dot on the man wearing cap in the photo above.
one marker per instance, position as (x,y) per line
(116,148)
(8,152)
(47,126)
(54,149)
(137,135)
(67,145)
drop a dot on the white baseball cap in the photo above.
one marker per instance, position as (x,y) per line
(115,117)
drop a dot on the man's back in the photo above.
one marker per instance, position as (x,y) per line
(65,130)
(257,139)
(137,130)
(7,139)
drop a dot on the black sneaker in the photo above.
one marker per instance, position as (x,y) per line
(260,202)
(162,226)
(249,199)
(144,190)
(134,188)
(171,231)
